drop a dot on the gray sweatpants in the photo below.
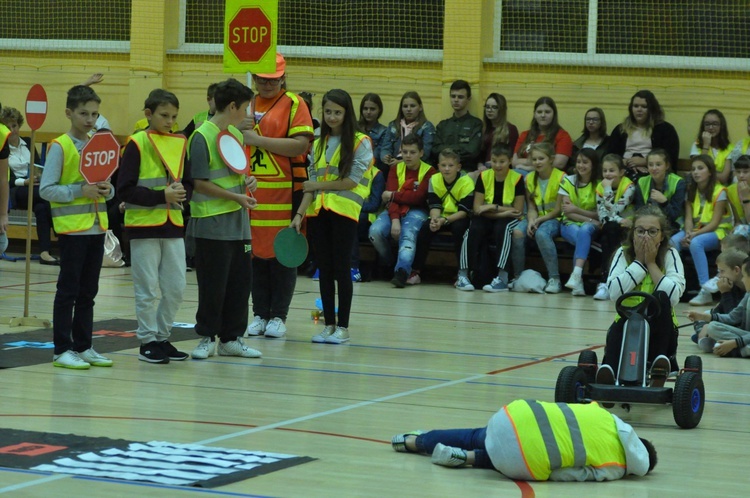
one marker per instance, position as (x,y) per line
(723,332)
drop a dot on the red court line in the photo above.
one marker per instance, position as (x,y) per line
(543,360)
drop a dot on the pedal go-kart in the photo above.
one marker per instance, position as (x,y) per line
(577,384)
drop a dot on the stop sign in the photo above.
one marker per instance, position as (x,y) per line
(100,157)
(250,35)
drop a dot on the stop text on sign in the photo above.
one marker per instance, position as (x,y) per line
(98,158)
(250,34)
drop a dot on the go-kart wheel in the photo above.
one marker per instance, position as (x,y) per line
(649,303)
(569,382)
(694,363)
(588,361)
(688,399)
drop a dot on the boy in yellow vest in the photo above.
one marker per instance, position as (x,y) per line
(538,441)
(202,116)
(79,215)
(154,182)
(220,225)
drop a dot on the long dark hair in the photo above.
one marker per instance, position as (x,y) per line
(500,135)
(534,130)
(628,247)
(596,167)
(655,112)
(720,141)
(692,187)
(375,99)
(421,119)
(602,122)
(348,129)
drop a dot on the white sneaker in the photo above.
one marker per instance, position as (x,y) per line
(275,328)
(575,281)
(324,334)
(204,349)
(256,327)
(464,284)
(95,359)
(554,286)
(712,285)
(703,298)
(339,336)
(448,456)
(706,344)
(237,348)
(579,291)
(70,359)
(602,292)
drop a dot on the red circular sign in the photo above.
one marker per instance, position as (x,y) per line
(100,157)
(36,107)
(250,35)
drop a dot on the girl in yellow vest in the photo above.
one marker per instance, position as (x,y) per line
(662,188)
(713,140)
(614,198)
(646,262)
(334,195)
(580,219)
(498,210)
(544,205)
(708,219)
(537,441)
(739,196)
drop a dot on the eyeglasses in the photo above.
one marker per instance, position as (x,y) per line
(652,232)
(491,107)
(267,81)
(592,120)
(711,124)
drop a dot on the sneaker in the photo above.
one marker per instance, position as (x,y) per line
(316,276)
(602,292)
(398,442)
(257,326)
(464,284)
(399,278)
(554,286)
(512,284)
(706,344)
(152,352)
(448,456)
(95,359)
(605,375)
(578,290)
(497,285)
(237,348)
(275,328)
(323,335)
(704,297)
(660,370)
(356,275)
(414,279)
(172,352)
(339,336)
(204,349)
(574,281)
(712,285)
(70,359)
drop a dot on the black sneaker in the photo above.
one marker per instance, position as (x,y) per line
(172,352)
(399,278)
(153,353)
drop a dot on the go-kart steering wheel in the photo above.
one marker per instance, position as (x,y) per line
(649,303)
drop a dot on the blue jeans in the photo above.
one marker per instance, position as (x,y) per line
(699,246)
(380,236)
(466,439)
(545,241)
(580,236)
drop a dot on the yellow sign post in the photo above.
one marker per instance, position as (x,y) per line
(250,29)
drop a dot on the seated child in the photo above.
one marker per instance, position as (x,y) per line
(450,197)
(727,334)
(498,211)
(405,197)
(662,188)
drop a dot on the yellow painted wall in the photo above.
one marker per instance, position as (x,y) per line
(468,40)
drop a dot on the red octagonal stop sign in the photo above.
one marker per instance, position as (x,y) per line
(100,157)
(250,35)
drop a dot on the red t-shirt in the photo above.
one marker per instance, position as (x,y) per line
(563,143)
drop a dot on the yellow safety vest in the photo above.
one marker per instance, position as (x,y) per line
(548,203)
(671,181)
(347,203)
(720,158)
(702,214)
(553,436)
(745,145)
(154,175)
(202,205)
(462,187)
(509,186)
(81,213)
(647,286)
(371,173)
(734,200)
(424,168)
(583,197)
(625,182)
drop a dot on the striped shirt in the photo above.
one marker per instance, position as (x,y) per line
(625,277)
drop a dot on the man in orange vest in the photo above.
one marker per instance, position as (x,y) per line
(538,441)
(277,141)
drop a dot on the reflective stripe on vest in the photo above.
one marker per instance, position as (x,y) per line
(202,205)
(461,187)
(552,436)
(702,214)
(583,197)
(152,174)
(509,186)
(81,213)
(347,203)
(548,203)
